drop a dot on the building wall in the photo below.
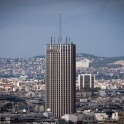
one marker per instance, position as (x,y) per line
(60,78)
(82,63)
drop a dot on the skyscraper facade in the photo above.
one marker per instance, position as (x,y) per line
(60,78)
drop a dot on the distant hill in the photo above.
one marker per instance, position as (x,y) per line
(88,56)
(112,62)
(121,62)
(96,61)
(41,56)
(107,62)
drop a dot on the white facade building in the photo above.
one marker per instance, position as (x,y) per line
(86,81)
(83,63)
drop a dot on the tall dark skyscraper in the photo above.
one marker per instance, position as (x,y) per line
(60,78)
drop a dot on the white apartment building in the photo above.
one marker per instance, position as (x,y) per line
(83,63)
(86,81)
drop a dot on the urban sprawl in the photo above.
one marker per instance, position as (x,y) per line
(99,92)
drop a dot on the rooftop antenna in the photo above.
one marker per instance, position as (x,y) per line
(69,39)
(60,38)
(66,40)
(54,40)
(51,40)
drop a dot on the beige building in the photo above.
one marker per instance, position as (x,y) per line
(60,78)
(83,63)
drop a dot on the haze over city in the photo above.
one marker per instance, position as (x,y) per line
(96,27)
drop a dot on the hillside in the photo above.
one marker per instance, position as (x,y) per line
(121,62)
(96,61)
(88,56)
(112,62)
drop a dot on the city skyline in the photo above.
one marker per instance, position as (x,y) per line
(96,27)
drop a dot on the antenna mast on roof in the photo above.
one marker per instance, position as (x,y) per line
(51,40)
(60,38)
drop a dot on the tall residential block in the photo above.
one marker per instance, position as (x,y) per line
(86,81)
(60,78)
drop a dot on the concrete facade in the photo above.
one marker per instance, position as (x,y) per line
(60,78)
(86,81)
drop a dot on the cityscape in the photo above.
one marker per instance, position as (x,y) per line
(61,83)
(22,91)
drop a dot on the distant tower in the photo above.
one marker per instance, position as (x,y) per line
(60,78)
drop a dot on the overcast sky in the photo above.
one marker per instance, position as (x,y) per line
(95,26)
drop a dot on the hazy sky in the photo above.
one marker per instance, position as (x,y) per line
(95,26)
